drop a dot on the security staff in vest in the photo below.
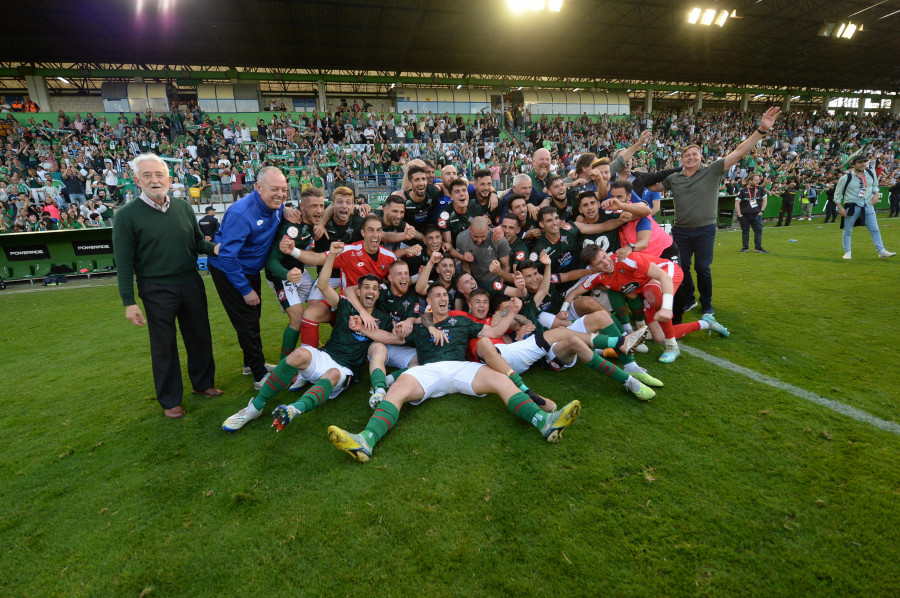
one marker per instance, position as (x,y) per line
(855,196)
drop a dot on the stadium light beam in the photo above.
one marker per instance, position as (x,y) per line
(555,5)
(64,80)
(537,4)
(671,93)
(694,16)
(723,16)
(759,95)
(840,30)
(849,31)
(708,15)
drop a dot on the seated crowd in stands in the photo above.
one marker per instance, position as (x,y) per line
(79,165)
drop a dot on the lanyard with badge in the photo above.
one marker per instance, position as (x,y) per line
(752,198)
(863,186)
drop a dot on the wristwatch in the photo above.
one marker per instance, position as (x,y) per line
(632,246)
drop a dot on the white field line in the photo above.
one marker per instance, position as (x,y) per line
(852,412)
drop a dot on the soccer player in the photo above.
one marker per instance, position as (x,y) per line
(444,370)
(286,274)
(399,302)
(656,280)
(331,369)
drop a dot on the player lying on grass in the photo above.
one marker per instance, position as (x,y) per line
(444,370)
(540,287)
(332,368)
(653,278)
(560,347)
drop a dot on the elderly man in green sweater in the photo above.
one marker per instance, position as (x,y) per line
(157,239)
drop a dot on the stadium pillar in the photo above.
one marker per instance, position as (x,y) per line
(698,104)
(745,99)
(648,101)
(862,106)
(321,102)
(786,105)
(37,91)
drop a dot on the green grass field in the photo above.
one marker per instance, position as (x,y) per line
(719,486)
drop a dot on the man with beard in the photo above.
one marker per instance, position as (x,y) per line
(331,369)
(444,370)
(401,303)
(287,275)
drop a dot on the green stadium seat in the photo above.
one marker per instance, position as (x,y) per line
(40,269)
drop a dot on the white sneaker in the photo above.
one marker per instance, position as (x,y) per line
(240,419)
(641,349)
(297,383)
(247,371)
(886,253)
(257,384)
(847,256)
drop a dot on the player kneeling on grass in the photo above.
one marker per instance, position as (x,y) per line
(331,368)
(656,280)
(444,370)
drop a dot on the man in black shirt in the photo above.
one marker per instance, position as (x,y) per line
(209,224)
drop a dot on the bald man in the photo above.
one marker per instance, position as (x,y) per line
(478,243)
(540,170)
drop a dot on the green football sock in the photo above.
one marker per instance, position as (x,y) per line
(278,379)
(599,364)
(378,379)
(614,330)
(517,380)
(382,420)
(619,306)
(636,306)
(602,341)
(392,377)
(315,395)
(522,407)
(289,340)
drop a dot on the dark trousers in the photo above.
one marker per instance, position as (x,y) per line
(697,245)
(787,210)
(244,318)
(186,303)
(747,222)
(895,206)
(830,211)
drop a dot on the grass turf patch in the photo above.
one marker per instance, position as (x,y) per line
(719,485)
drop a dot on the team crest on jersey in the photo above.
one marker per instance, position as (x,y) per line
(416,309)
(498,285)
(292,232)
(452,321)
(445,216)
(630,287)
(520,255)
(565,226)
(533,257)
(554,278)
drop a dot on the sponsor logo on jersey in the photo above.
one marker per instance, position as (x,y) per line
(259,223)
(565,226)
(281,295)
(520,255)
(554,278)
(361,338)
(630,287)
(292,231)
(360,264)
(498,285)
(442,223)
(416,309)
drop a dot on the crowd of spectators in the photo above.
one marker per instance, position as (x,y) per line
(74,172)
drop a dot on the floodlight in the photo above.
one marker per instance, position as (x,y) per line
(708,15)
(537,4)
(694,16)
(840,30)
(795,98)
(723,16)
(577,89)
(459,86)
(64,80)
(849,31)
(555,5)
(517,5)
(671,93)
(759,95)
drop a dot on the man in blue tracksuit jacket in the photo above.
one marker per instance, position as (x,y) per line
(246,235)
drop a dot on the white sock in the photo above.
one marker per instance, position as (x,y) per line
(704,325)
(389,379)
(671,343)
(628,328)
(631,367)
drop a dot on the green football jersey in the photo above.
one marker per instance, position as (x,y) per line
(349,348)
(458,328)
(565,254)
(278,264)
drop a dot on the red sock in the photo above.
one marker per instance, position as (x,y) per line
(683,329)
(309,333)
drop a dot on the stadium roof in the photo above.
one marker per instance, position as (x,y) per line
(773,42)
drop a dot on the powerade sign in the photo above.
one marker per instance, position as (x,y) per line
(27,253)
(92,247)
